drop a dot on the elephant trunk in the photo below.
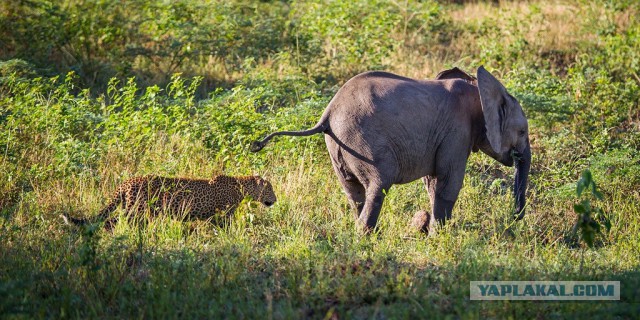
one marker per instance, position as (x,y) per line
(520,187)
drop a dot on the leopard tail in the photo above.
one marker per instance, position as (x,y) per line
(102,215)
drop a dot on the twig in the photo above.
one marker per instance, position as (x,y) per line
(636,76)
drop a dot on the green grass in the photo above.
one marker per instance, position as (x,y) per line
(68,139)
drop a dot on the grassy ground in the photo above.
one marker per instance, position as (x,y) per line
(67,142)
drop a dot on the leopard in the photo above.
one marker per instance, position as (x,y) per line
(183,197)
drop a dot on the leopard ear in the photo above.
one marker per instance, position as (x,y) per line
(258,178)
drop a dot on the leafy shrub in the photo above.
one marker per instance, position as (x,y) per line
(343,38)
(132,106)
(16,67)
(150,39)
(606,83)
(591,219)
(542,96)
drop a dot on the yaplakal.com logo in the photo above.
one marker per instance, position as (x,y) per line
(545,290)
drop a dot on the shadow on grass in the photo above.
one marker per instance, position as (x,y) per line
(58,275)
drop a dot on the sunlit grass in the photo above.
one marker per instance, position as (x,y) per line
(65,152)
(302,257)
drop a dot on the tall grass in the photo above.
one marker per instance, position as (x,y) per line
(67,141)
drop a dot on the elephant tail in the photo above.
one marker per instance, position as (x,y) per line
(321,126)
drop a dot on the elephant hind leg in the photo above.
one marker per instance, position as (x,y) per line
(366,194)
(356,193)
(350,184)
(371,210)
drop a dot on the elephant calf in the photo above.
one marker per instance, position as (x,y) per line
(383,129)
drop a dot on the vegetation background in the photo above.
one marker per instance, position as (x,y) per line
(93,92)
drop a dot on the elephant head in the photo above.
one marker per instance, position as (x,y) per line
(507,132)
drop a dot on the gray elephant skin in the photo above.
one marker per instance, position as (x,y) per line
(382,129)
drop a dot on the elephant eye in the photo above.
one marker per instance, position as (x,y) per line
(522,132)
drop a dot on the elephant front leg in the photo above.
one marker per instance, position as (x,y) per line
(443,193)
(441,209)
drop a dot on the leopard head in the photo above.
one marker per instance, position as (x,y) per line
(262,191)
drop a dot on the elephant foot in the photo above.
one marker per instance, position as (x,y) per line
(364,228)
(421,221)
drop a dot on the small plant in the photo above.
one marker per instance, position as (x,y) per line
(591,219)
(88,249)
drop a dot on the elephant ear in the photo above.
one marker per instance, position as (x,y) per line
(455,73)
(492,94)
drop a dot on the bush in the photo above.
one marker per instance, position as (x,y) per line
(341,38)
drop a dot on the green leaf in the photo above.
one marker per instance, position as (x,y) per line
(586,175)
(587,236)
(580,187)
(596,193)
(584,181)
